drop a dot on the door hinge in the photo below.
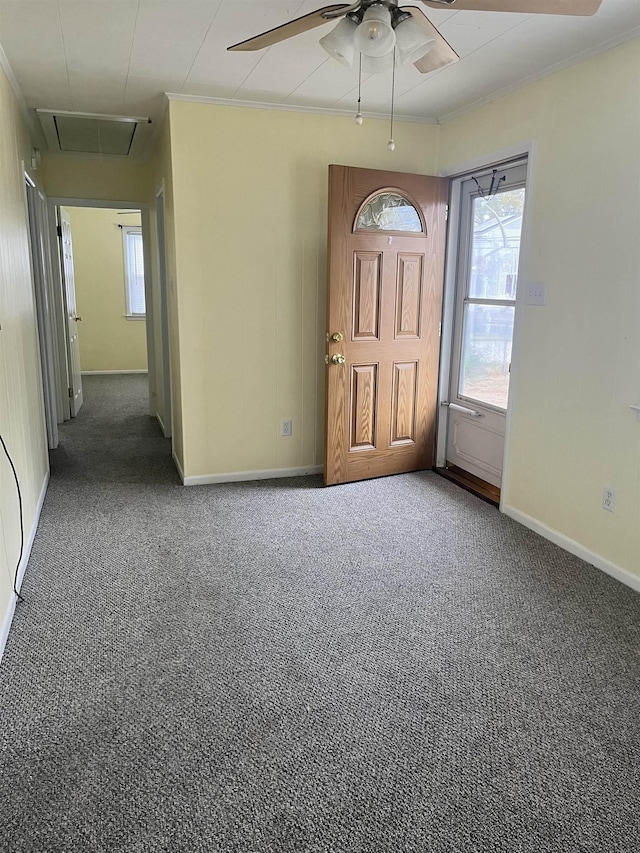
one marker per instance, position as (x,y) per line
(439,330)
(59,230)
(446,212)
(71,393)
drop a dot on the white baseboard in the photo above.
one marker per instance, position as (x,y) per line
(26,553)
(109,372)
(623,575)
(246,476)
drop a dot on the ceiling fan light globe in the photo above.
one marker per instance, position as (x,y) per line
(412,43)
(375,36)
(377,64)
(339,42)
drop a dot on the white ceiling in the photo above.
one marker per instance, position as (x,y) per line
(120,56)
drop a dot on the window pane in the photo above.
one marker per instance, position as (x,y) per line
(495,245)
(389,212)
(135,273)
(486,353)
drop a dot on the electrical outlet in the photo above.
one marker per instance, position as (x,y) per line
(286,428)
(536,294)
(609,499)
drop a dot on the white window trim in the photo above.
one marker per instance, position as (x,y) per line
(129,315)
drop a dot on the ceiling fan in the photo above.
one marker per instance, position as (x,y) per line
(380,31)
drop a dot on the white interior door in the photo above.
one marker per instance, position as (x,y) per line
(490,225)
(41,264)
(73,344)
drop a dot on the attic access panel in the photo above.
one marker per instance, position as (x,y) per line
(89,133)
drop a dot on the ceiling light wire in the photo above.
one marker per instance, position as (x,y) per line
(391,144)
(359,118)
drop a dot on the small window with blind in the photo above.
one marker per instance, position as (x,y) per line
(134,271)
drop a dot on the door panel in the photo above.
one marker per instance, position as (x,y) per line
(403,403)
(409,296)
(73,344)
(477,447)
(366,296)
(384,303)
(364,387)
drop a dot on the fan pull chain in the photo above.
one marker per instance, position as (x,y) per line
(391,144)
(359,118)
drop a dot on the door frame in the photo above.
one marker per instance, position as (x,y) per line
(55,202)
(457,174)
(166,424)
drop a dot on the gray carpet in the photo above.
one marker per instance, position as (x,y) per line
(274,666)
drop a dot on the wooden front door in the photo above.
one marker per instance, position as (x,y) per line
(386,263)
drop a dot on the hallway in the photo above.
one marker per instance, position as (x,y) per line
(384,667)
(113,440)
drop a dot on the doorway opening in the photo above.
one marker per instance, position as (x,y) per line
(487,211)
(386,258)
(104,294)
(97,315)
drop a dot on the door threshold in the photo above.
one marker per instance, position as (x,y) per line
(469,482)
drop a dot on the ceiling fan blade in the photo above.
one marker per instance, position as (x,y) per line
(292,28)
(441,53)
(526,7)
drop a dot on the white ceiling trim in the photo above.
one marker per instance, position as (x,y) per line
(101,204)
(293,108)
(622,38)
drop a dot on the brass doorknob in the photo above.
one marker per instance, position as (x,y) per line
(338,359)
(78,319)
(337,337)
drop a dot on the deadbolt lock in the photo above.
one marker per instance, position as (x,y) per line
(337,337)
(338,359)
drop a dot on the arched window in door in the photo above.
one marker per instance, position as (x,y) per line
(388,210)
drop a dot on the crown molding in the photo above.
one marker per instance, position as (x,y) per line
(28,116)
(610,44)
(292,108)
(8,70)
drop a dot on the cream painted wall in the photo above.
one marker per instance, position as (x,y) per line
(91,178)
(250,196)
(108,340)
(577,364)
(21,408)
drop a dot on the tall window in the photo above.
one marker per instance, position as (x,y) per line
(490,299)
(134,271)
